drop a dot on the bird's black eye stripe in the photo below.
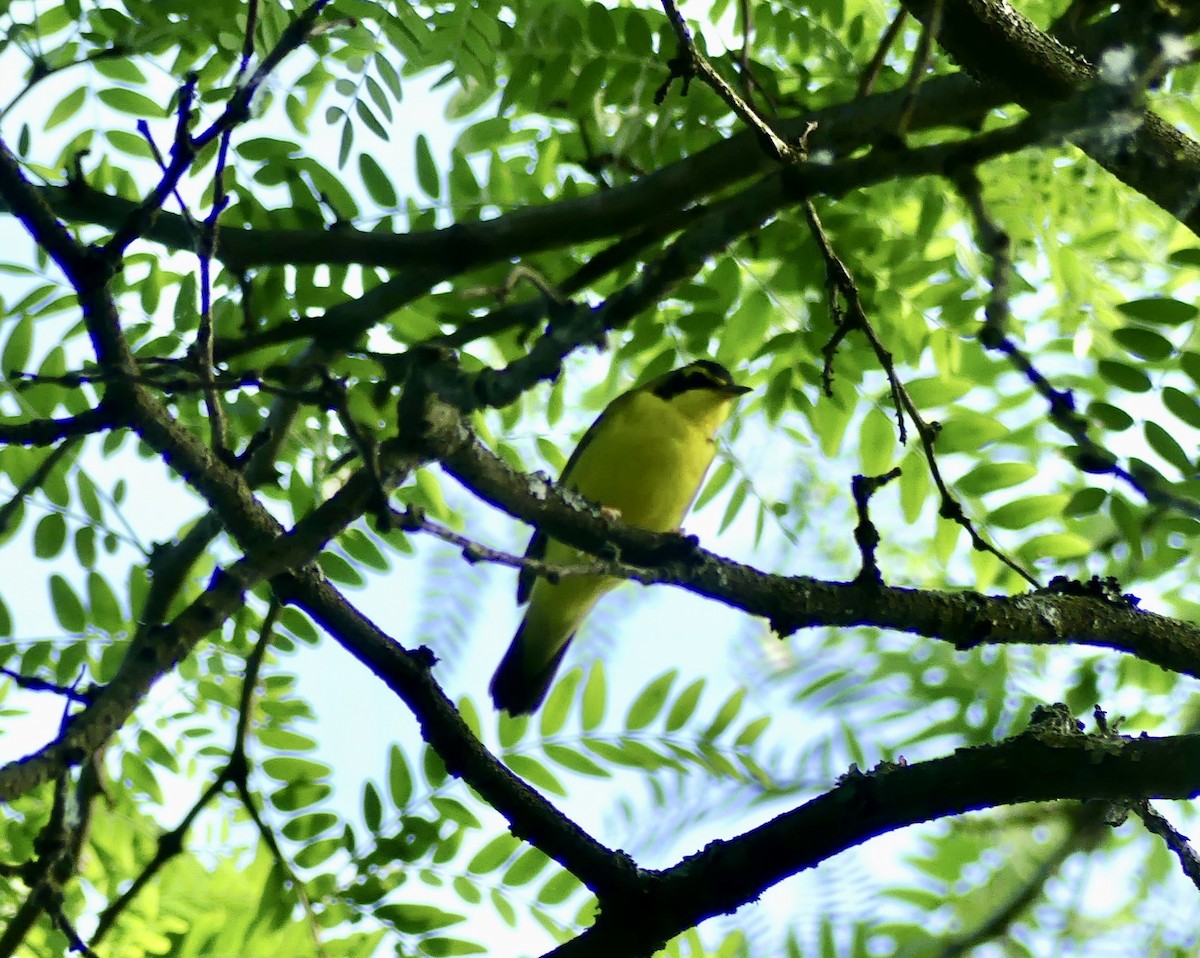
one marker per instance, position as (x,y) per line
(700,375)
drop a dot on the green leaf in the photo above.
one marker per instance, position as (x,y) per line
(304,828)
(1025,512)
(466,890)
(990,476)
(441,947)
(131,102)
(453,810)
(152,749)
(49,536)
(140,777)
(372,806)
(130,144)
(314,853)
(345,143)
(66,108)
(650,701)
(736,501)
(938,391)
(370,120)
(379,187)
(968,431)
(511,728)
(535,773)
(1058,545)
(285,740)
(68,610)
(1143,343)
(433,767)
(715,484)
(557,709)
(638,41)
(1159,309)
(526,868)
(1123,376)
(573,760)
(1110,417)
(684,707)
(595,698)
(120,69)
(18,347)
(362,549)
(494,854)
(339,569)
(400,781)
(427,173)
(725,715)
(291,768)
(1085,502)
(103,602)
(1167,446)
(559,888)
(750,734)
(1182,406)
(417,919)
(877,442)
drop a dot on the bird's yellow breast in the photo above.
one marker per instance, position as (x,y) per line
(649,456)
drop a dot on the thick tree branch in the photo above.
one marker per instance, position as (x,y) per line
(949,101)
(164,646)
(45,432)
(408,675)
(1005,51)
(1037,766)
(789,603)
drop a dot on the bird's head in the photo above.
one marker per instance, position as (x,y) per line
(703,391)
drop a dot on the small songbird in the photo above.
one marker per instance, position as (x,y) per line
(643,458)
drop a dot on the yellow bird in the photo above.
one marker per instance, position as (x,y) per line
(645,458)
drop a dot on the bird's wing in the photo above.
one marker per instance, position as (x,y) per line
(526,578)
(537,544)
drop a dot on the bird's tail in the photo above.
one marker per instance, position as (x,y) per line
(519,686)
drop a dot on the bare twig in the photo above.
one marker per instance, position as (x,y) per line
(414,520)
(202,353)
(866,81)
(865,533)
(39,475)
(921,60)
(841,283)
(1175,840)
(689,61)
(33,684)
(42,71)
(186,147)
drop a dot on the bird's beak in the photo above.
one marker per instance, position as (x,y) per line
(733,389)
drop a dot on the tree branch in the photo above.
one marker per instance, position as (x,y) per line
(1037,766)
(1081,615)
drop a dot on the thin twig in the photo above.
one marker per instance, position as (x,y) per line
(1062,408)
(920,63)
(841,283)
(186,148)
(39,475)
(866,81)
(203,349)
(33,684)
(865,533)
(1175,840)
(414,520)
(179,382)
(689,61)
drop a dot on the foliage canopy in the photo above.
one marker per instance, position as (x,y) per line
(951,245)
